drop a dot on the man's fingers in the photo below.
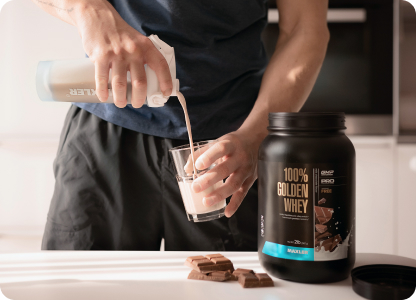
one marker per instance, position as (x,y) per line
(102,69)
(235,202)
(119,83)
(138,85)
(231,185)
(217,151)
(158,63)
(238,197)
(219,172)
(197,153)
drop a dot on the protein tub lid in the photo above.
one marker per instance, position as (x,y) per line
(384,282)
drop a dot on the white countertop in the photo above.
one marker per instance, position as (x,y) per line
(69,275)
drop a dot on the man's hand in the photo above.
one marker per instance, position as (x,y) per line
(238,156)
(113,44)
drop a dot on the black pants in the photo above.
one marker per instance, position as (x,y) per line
(116,190)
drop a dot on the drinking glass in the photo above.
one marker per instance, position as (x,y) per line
(195,210)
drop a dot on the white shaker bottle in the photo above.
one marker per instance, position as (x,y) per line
(73,80)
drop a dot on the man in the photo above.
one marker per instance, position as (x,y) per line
(115,187)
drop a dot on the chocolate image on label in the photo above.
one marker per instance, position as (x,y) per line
(331,214)
(322,201)
(323,214)
(321,228)
(323,236)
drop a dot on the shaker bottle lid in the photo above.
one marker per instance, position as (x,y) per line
(389,282)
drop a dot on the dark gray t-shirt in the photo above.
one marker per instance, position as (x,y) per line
(220,61)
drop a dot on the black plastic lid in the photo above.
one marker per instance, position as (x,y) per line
(307,121)
(384,282)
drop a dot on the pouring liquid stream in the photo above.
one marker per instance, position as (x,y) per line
(182,101)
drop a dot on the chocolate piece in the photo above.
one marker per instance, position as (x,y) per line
(213,276)
(209,256)
(322,201)
(234,278)
(221,275)
(264,279)
(248,280)
(323,236)
(323,214)
(323,220)
(242,271)
(192,258)
(321,228)
(202,269)
(327,244)
(202,262)
(226,267)
(220,260)
(317,243)
(205,265)
(336,241)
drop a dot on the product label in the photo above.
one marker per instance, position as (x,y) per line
(306,210)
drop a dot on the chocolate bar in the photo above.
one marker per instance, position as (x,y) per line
(322,201)
(205,265)
(264,280)
(248,280)
(213,276)
(323,214)
(216,267)
(321,228)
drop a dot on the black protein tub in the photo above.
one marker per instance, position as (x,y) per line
(306,178)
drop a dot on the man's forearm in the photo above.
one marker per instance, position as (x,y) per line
(289,77)
(70,11)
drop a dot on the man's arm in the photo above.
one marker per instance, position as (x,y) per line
(286,84)
(295,64)
(64,10)
(111,43)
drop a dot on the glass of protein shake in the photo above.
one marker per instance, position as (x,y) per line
(184,162)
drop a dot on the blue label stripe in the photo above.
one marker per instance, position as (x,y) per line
(288,252)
